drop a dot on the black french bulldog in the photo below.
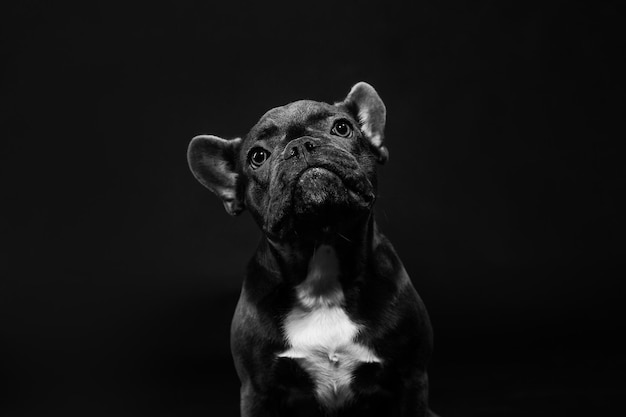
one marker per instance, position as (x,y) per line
(328,322)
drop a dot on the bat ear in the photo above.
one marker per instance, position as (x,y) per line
(212,161)
(365,104)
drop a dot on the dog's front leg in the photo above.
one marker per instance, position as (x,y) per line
(254,404)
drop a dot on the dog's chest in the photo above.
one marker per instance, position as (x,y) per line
(321,335)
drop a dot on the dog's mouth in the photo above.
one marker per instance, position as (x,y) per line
(318,187)
(323,200)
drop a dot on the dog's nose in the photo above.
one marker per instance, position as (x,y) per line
(293,152)
(299,148)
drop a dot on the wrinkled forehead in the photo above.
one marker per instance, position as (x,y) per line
(298,113)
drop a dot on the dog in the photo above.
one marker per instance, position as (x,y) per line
(328,322)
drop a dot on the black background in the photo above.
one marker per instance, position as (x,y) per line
(119,272)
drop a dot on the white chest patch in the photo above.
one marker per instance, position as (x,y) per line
(320,333)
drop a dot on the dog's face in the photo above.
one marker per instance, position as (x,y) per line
(305,170)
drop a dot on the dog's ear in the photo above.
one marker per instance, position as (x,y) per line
(365,103)
(212,161)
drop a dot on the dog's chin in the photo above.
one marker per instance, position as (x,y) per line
(323,205)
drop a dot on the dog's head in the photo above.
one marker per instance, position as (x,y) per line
(305,169)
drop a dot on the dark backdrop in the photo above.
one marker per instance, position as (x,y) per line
(119,272)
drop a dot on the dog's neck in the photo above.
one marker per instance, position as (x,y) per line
(349,249)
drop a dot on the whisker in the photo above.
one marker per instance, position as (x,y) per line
(385,215)
(344,237)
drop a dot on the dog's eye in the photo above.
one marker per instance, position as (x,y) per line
(257,157)
(342,128)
